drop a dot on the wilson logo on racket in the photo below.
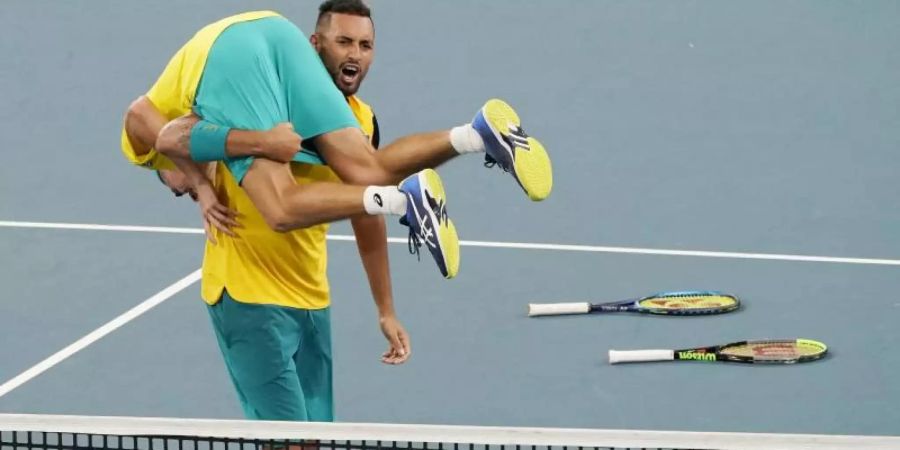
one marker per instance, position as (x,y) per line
(696,356)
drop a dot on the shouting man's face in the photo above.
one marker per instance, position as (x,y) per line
(346,44)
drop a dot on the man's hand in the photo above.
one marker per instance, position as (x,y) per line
(280,143)
(214,213)
(398,341)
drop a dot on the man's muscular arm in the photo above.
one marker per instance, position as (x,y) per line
(143,124)
(279,144)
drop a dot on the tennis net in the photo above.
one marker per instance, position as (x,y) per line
(26,431)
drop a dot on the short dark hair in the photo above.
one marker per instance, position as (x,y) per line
(351,7)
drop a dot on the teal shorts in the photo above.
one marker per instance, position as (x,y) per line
(279,359)
(263,72)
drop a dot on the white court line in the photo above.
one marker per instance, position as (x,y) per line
(99,333)
(92,227)
(510,245)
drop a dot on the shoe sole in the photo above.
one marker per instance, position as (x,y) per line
(532,165)
(448,239)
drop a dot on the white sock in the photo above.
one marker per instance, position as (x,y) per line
(465,139)
(384,200)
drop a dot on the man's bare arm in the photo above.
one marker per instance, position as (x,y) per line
(143,123)
(355,160)
(279,143)
(371,240)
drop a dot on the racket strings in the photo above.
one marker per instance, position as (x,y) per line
(687,301)
(688,295)
(776,350)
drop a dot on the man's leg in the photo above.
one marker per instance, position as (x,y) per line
(495,130)
(314,363)
(285,204)
(216,317)
(288,205)
(260,341)
(351,156)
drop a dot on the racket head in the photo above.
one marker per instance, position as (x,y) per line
(688,303)
(773,351)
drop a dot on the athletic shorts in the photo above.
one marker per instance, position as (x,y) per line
(279,359)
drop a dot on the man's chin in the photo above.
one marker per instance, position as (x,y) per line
(346,89)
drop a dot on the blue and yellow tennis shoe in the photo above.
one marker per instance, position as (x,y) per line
(507,145)
(426,217)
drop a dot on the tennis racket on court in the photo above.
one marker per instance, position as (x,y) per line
(773,351)
(682,303)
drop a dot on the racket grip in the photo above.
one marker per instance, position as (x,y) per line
(626,356)
(555,309)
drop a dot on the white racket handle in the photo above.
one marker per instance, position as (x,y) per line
(626,356)
(555,309)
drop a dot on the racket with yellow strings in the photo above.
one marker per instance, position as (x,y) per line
(681,303)
(771,351)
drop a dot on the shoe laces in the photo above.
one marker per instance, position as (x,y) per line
(413,242)
(490,163)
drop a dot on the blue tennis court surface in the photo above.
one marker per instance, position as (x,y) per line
(756,128)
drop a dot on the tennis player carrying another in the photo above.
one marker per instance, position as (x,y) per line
(261,72)
(255,71)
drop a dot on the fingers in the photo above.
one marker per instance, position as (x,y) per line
(396,359)
(404,350)
(227,211)
(390,356)
(399,350)
(220,224)
(214,214)
(404,342)
(393,358)
(226,216)
(208,232)
(222,218)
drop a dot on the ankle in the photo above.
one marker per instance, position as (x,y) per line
(384,200)
(465,139)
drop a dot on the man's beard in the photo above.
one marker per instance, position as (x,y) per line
(335,73)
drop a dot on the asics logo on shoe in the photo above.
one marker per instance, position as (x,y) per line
(517,137)
(426,231)
(439,207)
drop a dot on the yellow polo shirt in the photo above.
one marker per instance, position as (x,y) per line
(262,266)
